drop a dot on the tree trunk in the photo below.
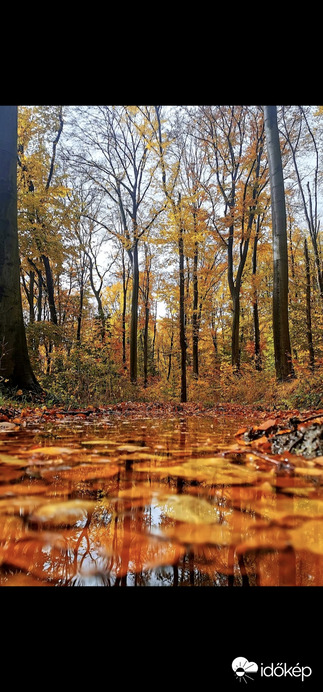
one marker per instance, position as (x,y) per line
(195,318)
(124,309)
(235,343)
(258,364)
(79,317)
(50,289)
(283,362)
(309,334)
(183,345)
(170,354)
(147,314)
(14,360)
(134,315)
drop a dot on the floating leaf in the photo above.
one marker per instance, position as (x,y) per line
(308,536)
(70,513)
(99,442)
(52,451)
(200,533)
(267,538)
(285,507)
(187,508)
(12,460)
(85,472)
(23,489)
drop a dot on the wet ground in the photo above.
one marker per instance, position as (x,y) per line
(115,501)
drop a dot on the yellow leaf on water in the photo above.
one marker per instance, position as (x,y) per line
(67,513)
(99,442)
(52,451)
(189,508)
(308,536)
(12,460)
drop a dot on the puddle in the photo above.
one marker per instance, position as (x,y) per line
(153,502)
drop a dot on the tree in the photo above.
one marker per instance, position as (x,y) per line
(233,138)
(283,362)
(15,367)
(115,158)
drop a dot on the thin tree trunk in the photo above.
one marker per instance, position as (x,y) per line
(134,316)
(183,345)
(235,343)
(195,319)
(79,317)
(258,364)
(170,354)
(282,347)
(309,334)
(50,289)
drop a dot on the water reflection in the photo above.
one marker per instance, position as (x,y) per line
(153,503)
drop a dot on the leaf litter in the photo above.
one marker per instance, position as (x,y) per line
(183,490)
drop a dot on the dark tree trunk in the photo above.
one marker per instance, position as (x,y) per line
(309,334)
(40,296)
(134,315)
(258,364)
(14,360)
(50,289)
(124,308)
(170,354)
(283,362)
(235,343)
(183,344)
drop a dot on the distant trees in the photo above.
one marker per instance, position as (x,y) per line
(154,250)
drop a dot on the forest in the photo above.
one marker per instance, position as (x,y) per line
(161,352)
(146,254)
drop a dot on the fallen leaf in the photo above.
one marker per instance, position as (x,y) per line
(99,442)
(52,451)
(187,508)
(12,460)
(308,536)
(69,513)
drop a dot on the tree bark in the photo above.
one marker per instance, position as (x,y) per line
(195,318)
(14,359)
(309,334)
(283,362)
(258,364)
(50,289)
(235,343)
(134,315)
(183,344)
